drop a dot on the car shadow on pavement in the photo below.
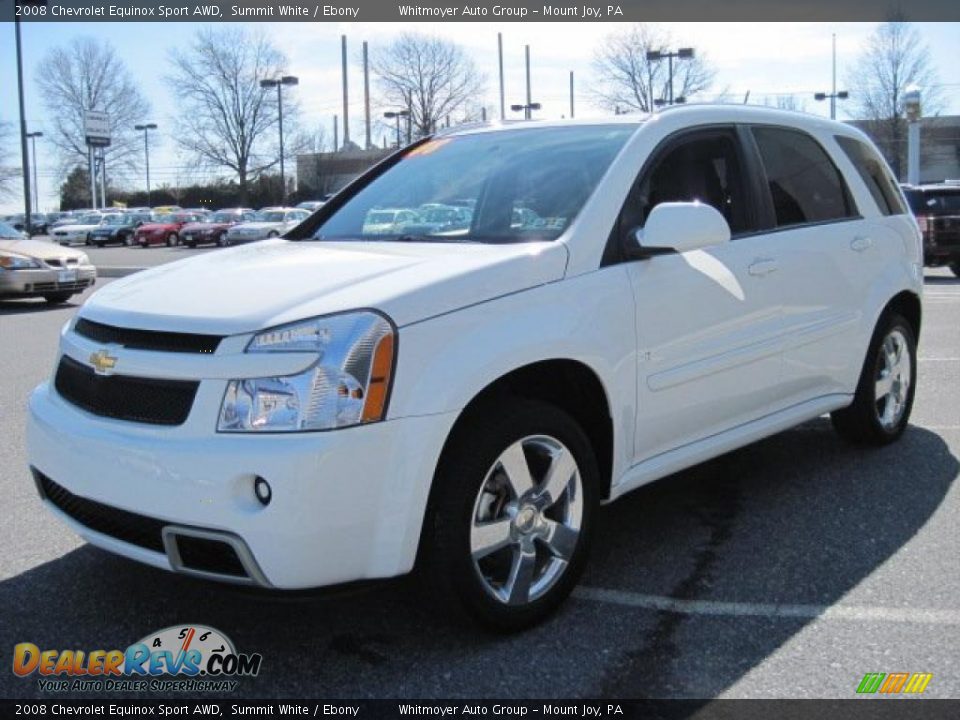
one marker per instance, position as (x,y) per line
(21,307)
(798,518)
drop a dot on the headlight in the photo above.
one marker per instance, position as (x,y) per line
(83,259)
(10,261)
(347,385)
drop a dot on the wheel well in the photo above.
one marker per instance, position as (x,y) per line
(571,386)
(907,304)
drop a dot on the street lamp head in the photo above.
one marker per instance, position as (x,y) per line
(290,80)
(843,94)
(534,106)
(659,102)
(819,96)
(516,108)
(267,83)
(35,134)
(654,54)
(685,53)
(390,115)
(680,100)
(146,126)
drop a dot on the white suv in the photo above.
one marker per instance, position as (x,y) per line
(631,297)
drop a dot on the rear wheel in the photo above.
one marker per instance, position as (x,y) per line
(172,240)
(511,515)
(273,234)
(884,397)
(223,240)
(57,298)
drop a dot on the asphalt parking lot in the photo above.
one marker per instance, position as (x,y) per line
(786,569)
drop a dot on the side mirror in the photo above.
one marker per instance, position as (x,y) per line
(680,227)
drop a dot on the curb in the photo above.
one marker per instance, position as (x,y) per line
(116,271)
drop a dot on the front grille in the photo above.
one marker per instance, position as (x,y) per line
(76,285)
(120,524)
(147,339)
(207,555)
(145,400)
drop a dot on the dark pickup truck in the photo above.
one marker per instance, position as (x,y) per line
(937,208)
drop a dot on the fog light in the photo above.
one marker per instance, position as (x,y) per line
(261,488)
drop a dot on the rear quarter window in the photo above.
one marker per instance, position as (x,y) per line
(874,173)
(805,186)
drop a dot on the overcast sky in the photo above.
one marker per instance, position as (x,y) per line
(765,58)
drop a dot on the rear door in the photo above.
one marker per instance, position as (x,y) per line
(829,255)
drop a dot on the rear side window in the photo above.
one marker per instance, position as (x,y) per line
(937,202)
(805,185)
(874,173)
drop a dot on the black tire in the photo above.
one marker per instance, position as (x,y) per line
(860,423)
(273,234)
(955,267)
(449,575)
(100,244)
(58,298)
(129,241)
(223,240)
(173,240)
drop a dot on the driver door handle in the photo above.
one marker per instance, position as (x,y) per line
(860,243)
(763,266)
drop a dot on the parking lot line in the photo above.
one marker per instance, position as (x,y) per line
(855,613)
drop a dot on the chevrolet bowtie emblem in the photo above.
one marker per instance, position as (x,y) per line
(102,361)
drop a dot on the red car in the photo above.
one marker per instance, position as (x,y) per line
(213,228)
(163,228)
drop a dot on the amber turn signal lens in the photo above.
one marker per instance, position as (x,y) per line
(379,385)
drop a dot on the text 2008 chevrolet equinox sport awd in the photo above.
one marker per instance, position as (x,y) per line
(562,313)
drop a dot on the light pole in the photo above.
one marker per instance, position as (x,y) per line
(36,188)
(833,94)
(527,109)
(278,84)
(146,152)
(396,115)
(658,55)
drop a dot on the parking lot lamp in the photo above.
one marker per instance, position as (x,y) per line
(146,151)
(278,83)
(36,188)
(658,55)
(396,115)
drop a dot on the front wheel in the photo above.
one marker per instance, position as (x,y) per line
(884,397)
(511,515)
(223,240)
(172,240)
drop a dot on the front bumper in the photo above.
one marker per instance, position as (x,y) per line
(346,504)
(45,281)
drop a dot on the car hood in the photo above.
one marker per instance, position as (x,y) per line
(38,249)
(257,225)
(76,228)
(272,282)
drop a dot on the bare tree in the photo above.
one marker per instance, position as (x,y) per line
(628,81)
(87,74)
(430,76)
(9,173)
(893,59)
(226,119)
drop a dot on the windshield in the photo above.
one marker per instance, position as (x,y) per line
(221,217)
(164,218)
(508,186)
(90,220)
(115,220)
(271,216)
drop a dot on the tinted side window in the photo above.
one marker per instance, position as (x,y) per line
(805,185)
(703,167)
(875,175)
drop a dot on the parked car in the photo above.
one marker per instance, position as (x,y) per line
(38,223)
(36,268)
(212,229)
(163,229)
(937,208)
(118,229)
(369,401)
(78,230)
(270,222)
(311,205)
(389,221)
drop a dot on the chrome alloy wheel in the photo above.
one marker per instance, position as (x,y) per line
(526,520)
(892,386)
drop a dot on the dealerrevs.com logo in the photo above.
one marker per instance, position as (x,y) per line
(187,658)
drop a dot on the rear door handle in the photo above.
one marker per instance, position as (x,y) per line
(861,243)
(761,267)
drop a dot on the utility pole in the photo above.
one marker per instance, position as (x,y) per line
(526,113)
(346,104)
(366,94)
(833,94)
(36,187)
(503,113)
(146,128)
(336,140)
(25,160)
(278,83)
(571,94)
